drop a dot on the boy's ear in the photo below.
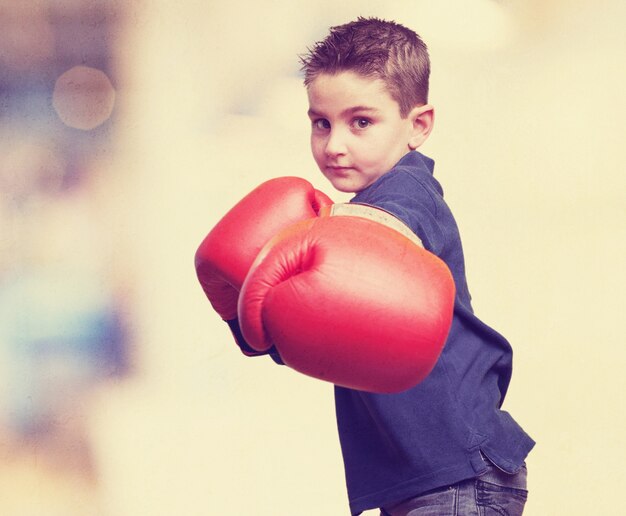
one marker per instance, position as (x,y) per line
(423,118)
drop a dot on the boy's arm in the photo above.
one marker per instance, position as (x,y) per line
(349,300)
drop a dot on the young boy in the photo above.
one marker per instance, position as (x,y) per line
(445,446)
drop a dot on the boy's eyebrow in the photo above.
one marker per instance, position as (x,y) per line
(349,111)
(359,109)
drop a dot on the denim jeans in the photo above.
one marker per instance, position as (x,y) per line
(494,493)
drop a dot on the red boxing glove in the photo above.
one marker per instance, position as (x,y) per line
(351,301)
(225,255)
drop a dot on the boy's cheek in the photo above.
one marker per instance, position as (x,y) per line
(318,152)
(318,161)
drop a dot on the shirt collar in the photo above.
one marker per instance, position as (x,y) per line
(416,159)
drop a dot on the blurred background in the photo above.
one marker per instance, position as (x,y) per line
(127,129)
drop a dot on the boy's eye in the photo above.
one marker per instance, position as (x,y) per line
(321,123)
(361,123)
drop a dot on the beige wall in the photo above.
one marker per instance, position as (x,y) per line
(528,144)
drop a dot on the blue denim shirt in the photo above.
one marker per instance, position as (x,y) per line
(396,446)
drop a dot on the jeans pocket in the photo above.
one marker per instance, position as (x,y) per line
(501,494)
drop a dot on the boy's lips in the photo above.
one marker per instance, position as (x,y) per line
(338,169)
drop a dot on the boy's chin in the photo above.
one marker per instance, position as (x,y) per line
(345,188)
(346,184)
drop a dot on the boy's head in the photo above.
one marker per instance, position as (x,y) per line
(378,49)
(367,83)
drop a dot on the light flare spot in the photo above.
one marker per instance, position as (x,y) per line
(83,97)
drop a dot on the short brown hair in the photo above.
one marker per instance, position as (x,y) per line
(375,48)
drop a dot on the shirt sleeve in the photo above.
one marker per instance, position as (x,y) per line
(246,349)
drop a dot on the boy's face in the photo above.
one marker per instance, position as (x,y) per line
(357,132)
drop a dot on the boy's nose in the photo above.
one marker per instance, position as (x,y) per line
(335,145)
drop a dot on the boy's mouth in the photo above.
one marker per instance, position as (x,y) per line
(338,169)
